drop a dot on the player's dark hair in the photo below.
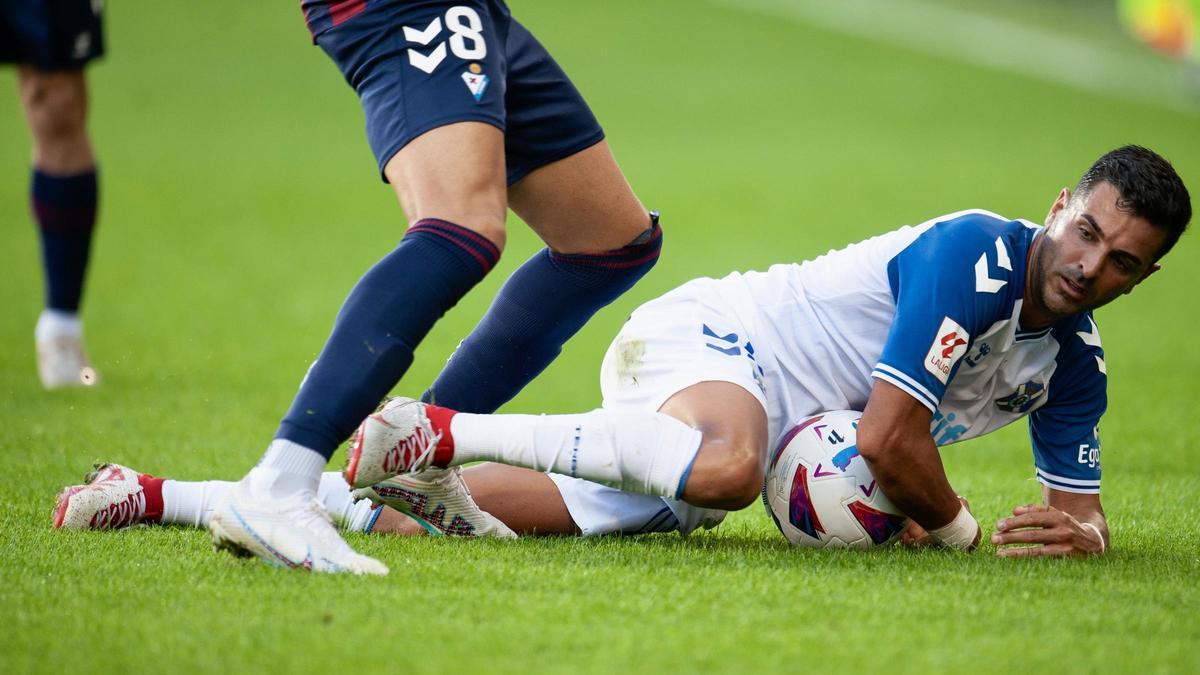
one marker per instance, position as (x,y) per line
(1149,188)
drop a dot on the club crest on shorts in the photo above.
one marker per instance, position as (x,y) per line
(475,80)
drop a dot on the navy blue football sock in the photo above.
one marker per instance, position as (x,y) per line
(383,320)
(65,208)
(539,308)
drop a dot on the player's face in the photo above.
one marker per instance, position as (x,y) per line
(1091,252)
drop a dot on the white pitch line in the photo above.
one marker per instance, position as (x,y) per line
(992,42)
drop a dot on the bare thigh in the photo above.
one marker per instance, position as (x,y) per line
(580,204)
(55,105)
(454,173)
(527,501)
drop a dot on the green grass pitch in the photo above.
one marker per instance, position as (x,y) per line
(240,203)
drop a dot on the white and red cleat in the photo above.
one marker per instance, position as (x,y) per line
(112,496)
(403,436)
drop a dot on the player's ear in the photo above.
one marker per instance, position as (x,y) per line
(1154,267)
(1064,197)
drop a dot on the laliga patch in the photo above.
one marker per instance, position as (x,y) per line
(948,347)
(475,80)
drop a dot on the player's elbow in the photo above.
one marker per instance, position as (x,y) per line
(874,443)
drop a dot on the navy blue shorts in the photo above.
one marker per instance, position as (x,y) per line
(50,34)
(420,65)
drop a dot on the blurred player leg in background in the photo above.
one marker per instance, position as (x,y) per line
(51,42)
(470,105)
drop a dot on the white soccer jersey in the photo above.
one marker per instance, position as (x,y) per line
(932,309)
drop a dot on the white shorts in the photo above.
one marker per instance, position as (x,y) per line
(669,344)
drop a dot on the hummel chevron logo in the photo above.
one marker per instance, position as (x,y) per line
(424,37)
(1002,255)
(984,283)
(425,62)
(1091,338)
(730,338)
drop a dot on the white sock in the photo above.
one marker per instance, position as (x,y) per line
(644,452)
(334,495)
(285,469)
(54,323)
(191,503)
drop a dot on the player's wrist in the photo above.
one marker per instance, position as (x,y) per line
(1099,537)
(962,533)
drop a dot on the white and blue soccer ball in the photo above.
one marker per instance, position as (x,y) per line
(820,492)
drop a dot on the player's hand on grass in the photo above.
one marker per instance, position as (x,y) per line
(1040,530)
(915,536)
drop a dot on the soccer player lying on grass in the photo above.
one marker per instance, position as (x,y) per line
(940,332)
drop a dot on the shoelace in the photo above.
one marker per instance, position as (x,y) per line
(431,439)
(311,512)
(425,441)
(121,512)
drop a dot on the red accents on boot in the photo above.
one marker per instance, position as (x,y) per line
(152,488)
(439,419)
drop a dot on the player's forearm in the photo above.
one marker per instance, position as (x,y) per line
(910,473)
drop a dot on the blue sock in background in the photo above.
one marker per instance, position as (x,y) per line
(65,209)
(385,317)
(538,309)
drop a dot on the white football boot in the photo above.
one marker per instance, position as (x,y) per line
(62,362)
(110,497)
(396,439)
(439,501)
(294,531)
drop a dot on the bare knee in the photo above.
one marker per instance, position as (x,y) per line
(727,474)
(728,470)
(580,204)
(454,173)
(56,108)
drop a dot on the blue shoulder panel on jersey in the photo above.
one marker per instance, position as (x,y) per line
(953,281)
(1064,432)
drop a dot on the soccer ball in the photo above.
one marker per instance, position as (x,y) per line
(820,492)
